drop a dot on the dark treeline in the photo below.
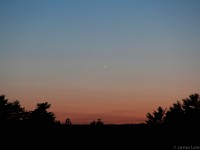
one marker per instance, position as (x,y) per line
(185,113)
(12,113)
(165,128)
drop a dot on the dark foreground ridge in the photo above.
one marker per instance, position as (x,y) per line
(87,137)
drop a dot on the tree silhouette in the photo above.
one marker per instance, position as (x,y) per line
(191,107)
(184,113)
(157,117)
(41,116)
(16,111)
(99,122)
(68,122)
(11,111)
(93,123)
(4,109)
(175,114)
(179,114)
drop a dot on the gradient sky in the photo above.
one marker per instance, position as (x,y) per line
(109,59)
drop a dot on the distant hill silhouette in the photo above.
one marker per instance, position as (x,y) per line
(164,129)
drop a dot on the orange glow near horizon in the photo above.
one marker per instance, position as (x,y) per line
(85,105)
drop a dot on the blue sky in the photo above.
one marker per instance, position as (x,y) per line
(116,45)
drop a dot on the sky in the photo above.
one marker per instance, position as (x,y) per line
(109,59)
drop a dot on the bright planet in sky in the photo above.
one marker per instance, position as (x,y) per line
(116,60)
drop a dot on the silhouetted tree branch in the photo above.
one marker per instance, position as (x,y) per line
(157,117)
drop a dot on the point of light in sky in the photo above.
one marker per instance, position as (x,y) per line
(112,59)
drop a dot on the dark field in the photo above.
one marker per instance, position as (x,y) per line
(100,137)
